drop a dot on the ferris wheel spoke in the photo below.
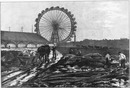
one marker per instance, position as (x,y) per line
(49,16)
(62,17)
(58,13)
(65,21)
(60,35)
(43,25)
(45,31)
(50,36)
(64,34)
(65,17)
(46,28)
(47,34)
(44,21)
(66,31)
(65,26)
(46,38)
(55,15)
(52,15)
(59,17)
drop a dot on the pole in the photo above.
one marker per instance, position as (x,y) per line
(32,28)
(74,38)
(9,28)
(21,29)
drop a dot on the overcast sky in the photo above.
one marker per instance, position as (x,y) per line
(95,20)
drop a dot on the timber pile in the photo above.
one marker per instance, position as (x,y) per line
(79,71)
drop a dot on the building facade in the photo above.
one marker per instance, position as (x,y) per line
(21,40)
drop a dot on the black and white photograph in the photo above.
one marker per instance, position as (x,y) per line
(65,44)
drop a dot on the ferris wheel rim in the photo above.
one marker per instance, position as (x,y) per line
(66,12)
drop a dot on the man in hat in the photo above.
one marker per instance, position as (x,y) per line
(122,59)
(108,59)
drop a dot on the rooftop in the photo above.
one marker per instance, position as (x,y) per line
(21,37)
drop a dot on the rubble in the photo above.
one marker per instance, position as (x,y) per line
(70,71)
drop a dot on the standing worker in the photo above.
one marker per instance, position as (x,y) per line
(122,59)
(54,52)
(9,46)
(108,59)
(70,51)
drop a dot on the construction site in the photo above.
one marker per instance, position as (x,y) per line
(52,57)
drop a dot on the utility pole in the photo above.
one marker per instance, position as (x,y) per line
(74,38)
(32,28)
(9,28)
(22,29)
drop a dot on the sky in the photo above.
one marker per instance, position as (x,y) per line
(95,19)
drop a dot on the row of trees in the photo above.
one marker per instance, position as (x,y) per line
(117,43)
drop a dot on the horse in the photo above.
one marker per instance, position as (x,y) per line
(43,53)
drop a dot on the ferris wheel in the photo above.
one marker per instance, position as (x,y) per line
(56,24)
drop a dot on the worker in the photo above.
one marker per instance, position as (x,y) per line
(70,51)
(54,52)
(108,60)
(9,47)
(122,59)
